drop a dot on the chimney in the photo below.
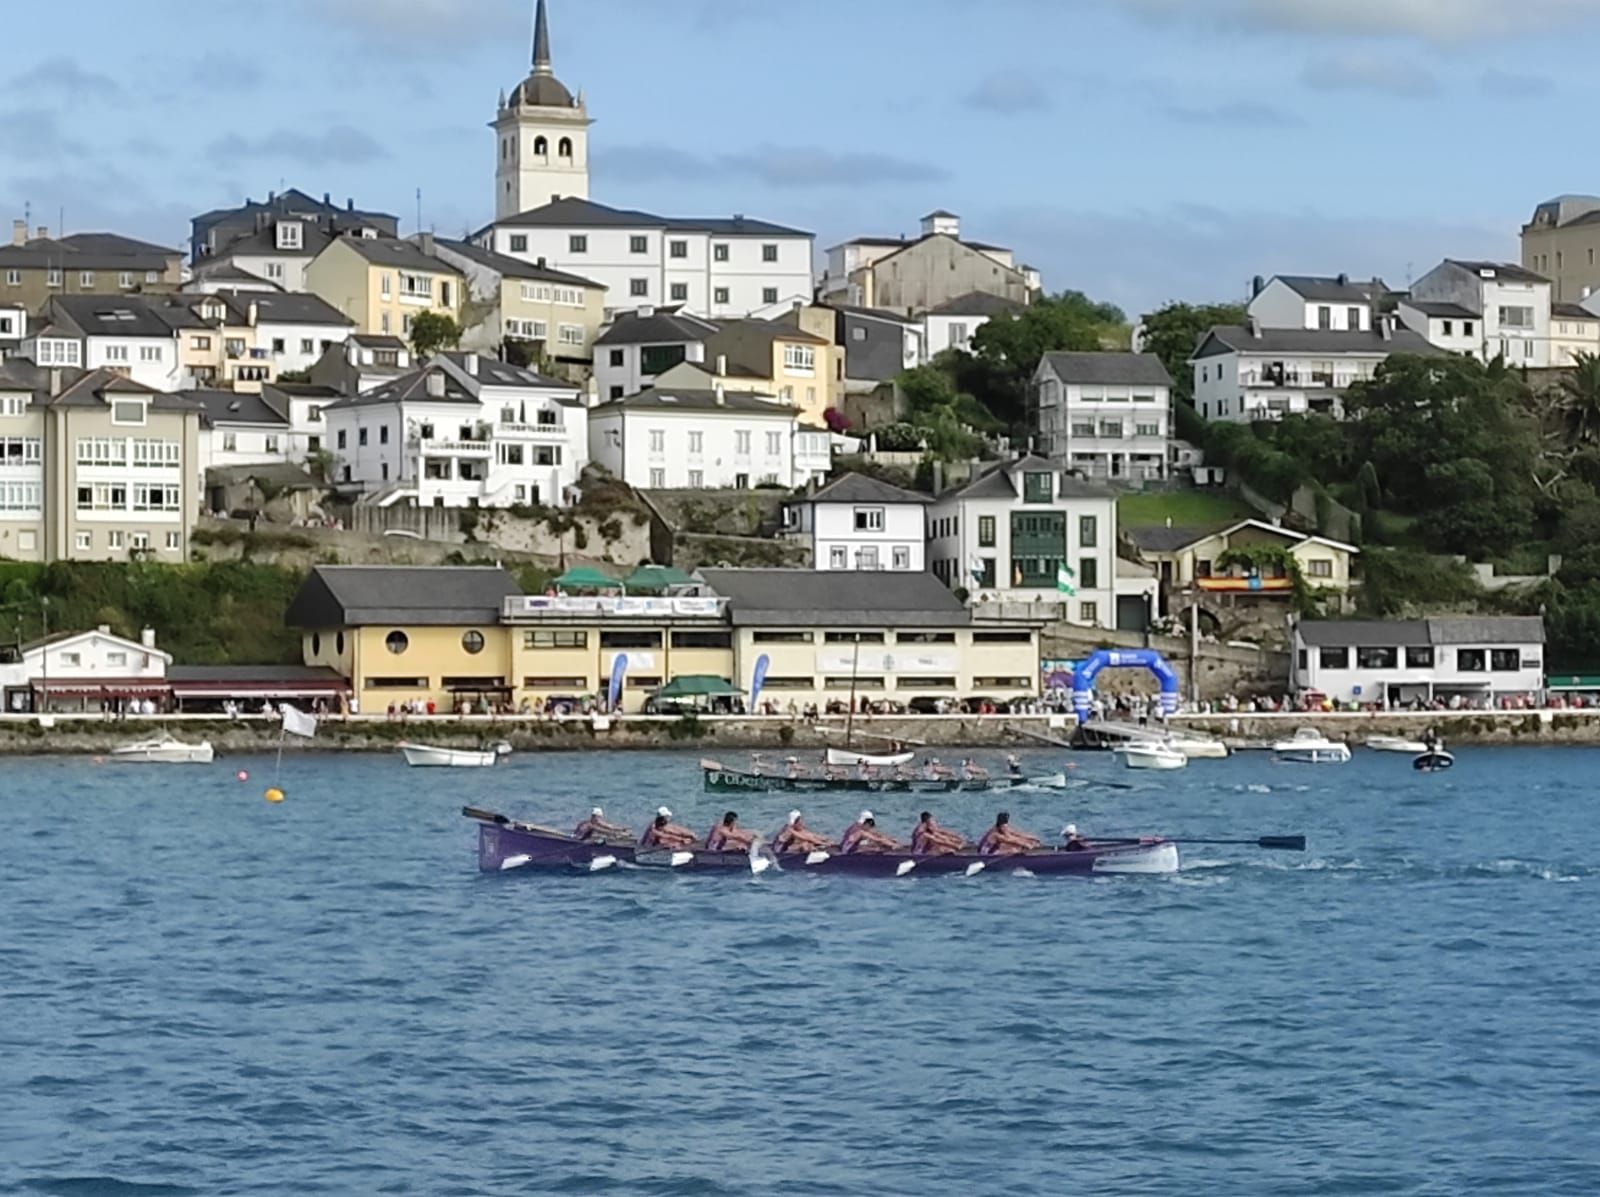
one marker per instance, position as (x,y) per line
(540,263)
(19,232)
(425,243)
(938,477)
(327,199)
(42,232)
(1386,327)
(722,396)
(147,637)
(470,364)
(104,629)
(1255,328)
(1257,285)
(55,381)
(251,313)
(350,204)
(436,384)
(722,365)
(1344,280)
(644,311)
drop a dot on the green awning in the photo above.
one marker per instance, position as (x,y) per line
(1574,681)
(653,579)
(698,685)
(586,577)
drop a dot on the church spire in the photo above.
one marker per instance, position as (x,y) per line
(541,42)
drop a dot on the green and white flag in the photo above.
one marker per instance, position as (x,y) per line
(1064,579)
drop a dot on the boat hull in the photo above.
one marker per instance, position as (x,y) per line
(1433,762)
(1154,758)
(726,781)
(1198,750)
(1395,744)
(1331,754)
(890,760)
(506,847)
(423,756)
(165,754)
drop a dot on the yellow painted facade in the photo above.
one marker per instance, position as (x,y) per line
(383,298)
(1324,564)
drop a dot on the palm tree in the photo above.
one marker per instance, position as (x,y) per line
(1579,392)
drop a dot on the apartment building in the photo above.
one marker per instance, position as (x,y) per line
(35,270)
(859,523)
(382,283)
(215,233)
(1106,415)
(1561,242)
(1507,306)
(916,275)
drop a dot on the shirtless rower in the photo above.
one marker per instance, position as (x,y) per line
(663,833)
(597,827)
(728,836)
(1004,840)
(973,770)
(797,837)
(863,836)
(931,839)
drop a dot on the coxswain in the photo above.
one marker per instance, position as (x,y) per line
(863,836)
(797,837)
(664,833)
(728,836)
(1013,766)
(931,839)
(1071,840)
(596,827)
(1004,840)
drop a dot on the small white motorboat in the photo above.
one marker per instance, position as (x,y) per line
(164,749)
(1308,746)
(876,760)
(1153,754)
(1197,747)
(1395,744)
(426,755)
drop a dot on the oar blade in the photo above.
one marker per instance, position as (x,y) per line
(1286,843)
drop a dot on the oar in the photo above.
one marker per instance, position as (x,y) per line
(1286,843)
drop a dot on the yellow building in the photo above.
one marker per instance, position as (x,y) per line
(1188,558)
(383,283)
(775,358)
(1574,329)
(445,634)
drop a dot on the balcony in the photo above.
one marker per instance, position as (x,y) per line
(538,606)
(529,432)
(1304,379)
(442,448)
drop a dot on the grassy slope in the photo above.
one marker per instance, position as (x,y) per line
(1186,509)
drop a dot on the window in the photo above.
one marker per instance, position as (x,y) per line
(53,278)
(658,479)
(799,359)
(774,444)
(658,440)
(869,519)
(720,295)
(140,541)
(115,539)
(678,249)
(702,640)
(782,638)
(638,245)
(680,292)
(1445,328)
(127,411)
(397,642)
(769,295)
(1334,658)
(361,436)
(1319,567)
(230,442)
(386,286)
(1002,637)
(1516,317)
(555,639)
(838,557)
(634,639)
(1111,428)
(1419,657)
(1088,531)
(902,556)
(1466,328)
(125,279)
(277,344)
(272,442)
(853,637)
(1377,658)
(397,683)
(769,253)
(472,641)
(13,278)
(200,343)
(1088,573)
(638,287)
(867,558)
(578,243)
(116,353)
(986,531)
(741,443)
(86,278)
(697,479)
(719,252)
(174,540)
(60,353)
(1089,613)
(616,392)
(1147,429)
(1505,660)
(307,345)
(697,442)
(83,541)
(1324,316)
(741,482)
(1352,317)
(341,438)
(1036,487)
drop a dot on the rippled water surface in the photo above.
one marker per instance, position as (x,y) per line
(201,993)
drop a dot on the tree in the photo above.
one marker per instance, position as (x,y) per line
(1009,349)
(433,331)
(1172,333)
(1579,397)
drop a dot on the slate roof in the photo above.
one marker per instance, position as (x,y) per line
(692,399)
(111,315)
(995,483)
(1226,337)
(419,596)
(571,212)
(287,307)
(859,488)
(378,341)
(769,330)
(1440,630)
(1505,270)
(88,251)
(495,373)
(234,407)
(264,242)
(977,303)
(412,385)
(630,328)
(1160,539)
(280,474)
(515,267)
(1365,633)
(391,251)
(1571,311)
(1114,369)
(223,270)
(1441,310)
(1487,629)
(89,388)
(1322,289)
(812,598)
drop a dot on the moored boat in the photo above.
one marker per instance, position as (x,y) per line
(1433,760)
(1197,747)
(719,779)
(1395,744)
(428,755)
(505,845)
(165,749)
(1310,747)
(1152,754)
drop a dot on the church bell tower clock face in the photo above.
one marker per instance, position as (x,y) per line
(542,136)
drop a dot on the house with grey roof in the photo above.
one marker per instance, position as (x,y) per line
(1106,416)
(953,323)
(1465,661)
(37,269)
(915,275)
(860,523)
(1510,308)
(1249,373)
(1335,303)
(214,233)
(638,345)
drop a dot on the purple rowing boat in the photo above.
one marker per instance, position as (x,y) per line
(504,845)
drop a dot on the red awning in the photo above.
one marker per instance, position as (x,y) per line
(249,689)
(111,687)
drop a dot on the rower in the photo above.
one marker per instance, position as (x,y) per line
(797,837)
(727,836)
(1071,840)
(863,836)
(663,833)
(973,770)
(930,839)
(1013,766)
(1004,840)
(794,766)
(596,827)
(939,772)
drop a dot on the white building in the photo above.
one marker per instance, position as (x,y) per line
(717,267)
(1008,533)
(1511,306)
(952,324)
(239,429)
(75,670)
(1315,302)
(915,275)
(462,431)
(688,431)
(860,523)
(1244,374)
(363,362)
(1447,326)
(123,333)
(277,254)
(295,330)
(541,136)
(1394,663)
(13,327)
(1107,415)
(639,346)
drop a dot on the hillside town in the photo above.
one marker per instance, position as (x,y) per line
(909,439)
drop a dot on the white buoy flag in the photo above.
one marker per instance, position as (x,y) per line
(296,722)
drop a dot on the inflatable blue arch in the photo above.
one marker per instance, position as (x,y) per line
(1127,658)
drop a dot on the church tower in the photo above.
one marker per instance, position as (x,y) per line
(541,135)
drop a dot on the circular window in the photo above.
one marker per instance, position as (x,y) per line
(316,644)
(338,644)
(397,642)
(472,641)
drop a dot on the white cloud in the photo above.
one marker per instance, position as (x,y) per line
(1433,20)
(1369,72)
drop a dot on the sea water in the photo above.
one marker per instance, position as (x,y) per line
(204,993)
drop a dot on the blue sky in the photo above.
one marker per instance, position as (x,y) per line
(1138,150)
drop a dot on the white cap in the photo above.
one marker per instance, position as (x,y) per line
(597,812)
(864,816)
(1070,829)
(663,811)
(794,816)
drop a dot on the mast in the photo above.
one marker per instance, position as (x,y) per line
(850,717)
